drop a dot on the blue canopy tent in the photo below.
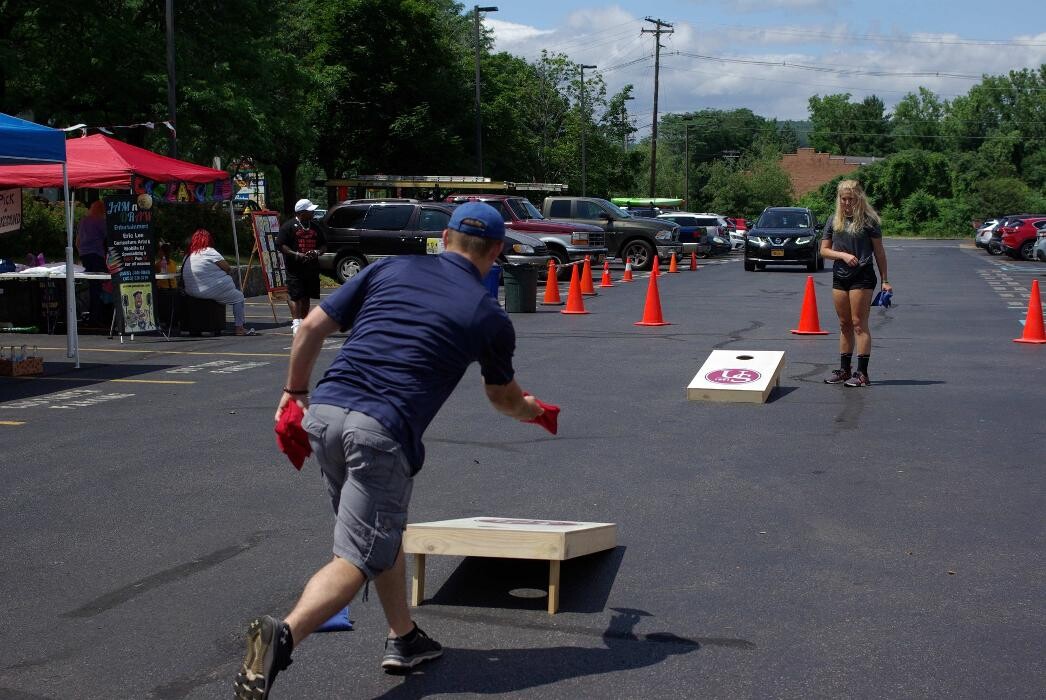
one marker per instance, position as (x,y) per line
(25,143)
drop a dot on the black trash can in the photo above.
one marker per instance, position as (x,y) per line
(521,288)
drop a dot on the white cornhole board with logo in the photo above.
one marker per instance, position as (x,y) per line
(508,538)
(746,376)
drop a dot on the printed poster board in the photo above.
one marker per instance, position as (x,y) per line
(10,210)
(129,256)
(266,225)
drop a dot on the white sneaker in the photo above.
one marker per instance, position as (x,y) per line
(294,326)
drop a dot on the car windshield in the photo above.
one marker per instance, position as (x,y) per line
(784,219)
(524,209)
(616,209)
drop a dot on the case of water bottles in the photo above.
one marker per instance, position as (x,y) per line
(18,361)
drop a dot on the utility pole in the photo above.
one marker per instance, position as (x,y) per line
(172,144)
(686,165)
(584,126)
(479,117)
(657,32)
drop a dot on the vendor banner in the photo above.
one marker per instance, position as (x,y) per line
(180,192)
(129,256)
(10,210)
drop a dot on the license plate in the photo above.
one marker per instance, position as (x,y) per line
(777,253)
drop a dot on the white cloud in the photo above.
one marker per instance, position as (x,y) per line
(609,37)
(513,33)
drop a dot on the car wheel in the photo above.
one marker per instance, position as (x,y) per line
(642,254)
(1028,250)
(749,266)
(820,262)
(563,272)
(348,267)
(993,248)
(812,265)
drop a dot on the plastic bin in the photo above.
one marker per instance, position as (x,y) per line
(521,288)
(493,280)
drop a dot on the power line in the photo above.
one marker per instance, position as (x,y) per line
(825,69)
(881,38)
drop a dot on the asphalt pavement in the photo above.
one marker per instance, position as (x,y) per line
(833,542)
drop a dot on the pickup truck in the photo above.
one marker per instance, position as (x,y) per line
(566,242)
(627,236)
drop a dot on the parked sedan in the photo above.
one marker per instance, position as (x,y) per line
(784,236)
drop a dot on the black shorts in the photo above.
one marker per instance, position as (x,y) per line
(862,278)
(303,285)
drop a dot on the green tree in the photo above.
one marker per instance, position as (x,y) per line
(916,121)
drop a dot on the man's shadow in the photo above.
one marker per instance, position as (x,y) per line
(491,671)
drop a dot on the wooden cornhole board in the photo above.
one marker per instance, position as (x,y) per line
(746,376)
(508,538)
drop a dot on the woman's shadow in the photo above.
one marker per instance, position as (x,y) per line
(507,670)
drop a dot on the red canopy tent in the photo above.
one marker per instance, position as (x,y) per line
(101,162)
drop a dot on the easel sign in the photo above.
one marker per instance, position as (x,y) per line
(129,257)
(266,227)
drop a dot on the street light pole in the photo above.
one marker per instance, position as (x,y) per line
(479,117)
(584,126)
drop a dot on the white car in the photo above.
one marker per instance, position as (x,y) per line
(983,237)
(1039,251)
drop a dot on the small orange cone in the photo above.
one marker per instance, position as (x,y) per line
(808,321)
(605,282)
(693,261)
(575,301)
(1033,331)
(586,279)
(655,269)
(652,309)
(672,265)
(552,286)
(628,271)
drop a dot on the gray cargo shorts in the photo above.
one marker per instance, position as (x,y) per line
(369,482)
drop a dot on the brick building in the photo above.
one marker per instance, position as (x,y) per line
(809,169)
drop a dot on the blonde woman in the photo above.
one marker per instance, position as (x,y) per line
(853,240)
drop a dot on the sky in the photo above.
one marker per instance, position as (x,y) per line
(843,44)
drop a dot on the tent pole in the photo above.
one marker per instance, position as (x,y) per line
(236,244)
(72,343)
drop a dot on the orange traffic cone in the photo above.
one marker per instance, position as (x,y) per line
(672,265)
(586,279)
(652,308)
(655,269)
(808,321)
(693,261)
(552,286)
(1033,332)
(628,271)
(605,282)
(575,301)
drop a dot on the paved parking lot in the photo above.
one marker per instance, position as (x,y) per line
(880,542)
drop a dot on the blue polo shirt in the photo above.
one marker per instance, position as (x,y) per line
(418,322)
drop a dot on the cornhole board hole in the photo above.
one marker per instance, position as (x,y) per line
(508,538)
(746,376)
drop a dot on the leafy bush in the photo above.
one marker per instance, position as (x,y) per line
(43,231)
(917,209)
